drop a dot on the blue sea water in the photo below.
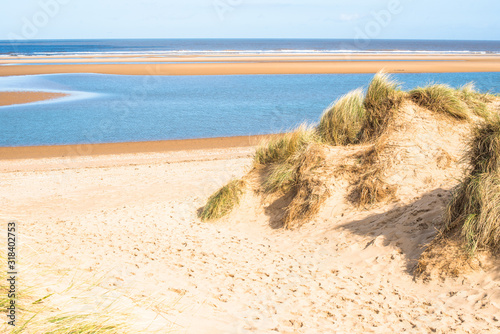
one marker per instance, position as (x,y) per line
(197,46)
(120,108)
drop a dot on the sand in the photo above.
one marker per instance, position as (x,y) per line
(10,98)
(252,64)
(25,152)
(126,224)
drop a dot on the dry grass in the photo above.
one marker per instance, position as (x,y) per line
(367,177)
(223,201)
(371,189)
(342,122)
(39,314)
(280,149)
(444,257)
(441,99)
(383,98)
(310,190)
(475,206)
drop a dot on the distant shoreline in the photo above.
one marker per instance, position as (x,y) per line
(153,64)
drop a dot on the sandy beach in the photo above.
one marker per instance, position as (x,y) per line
(127,224)
(231,65)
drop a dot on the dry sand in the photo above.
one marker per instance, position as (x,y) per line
(127,223)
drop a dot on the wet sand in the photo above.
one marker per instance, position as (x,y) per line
(10,98)
(249,64)
(34,152)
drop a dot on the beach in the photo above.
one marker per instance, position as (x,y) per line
(127,226)
(249,64)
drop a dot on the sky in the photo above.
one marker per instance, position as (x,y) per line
(381,19)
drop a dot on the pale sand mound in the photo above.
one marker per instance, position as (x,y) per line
(131,221)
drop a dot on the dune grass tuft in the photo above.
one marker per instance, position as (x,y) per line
(475,101)
(280,149)
(441,99)
(368,180)
(282,177)
(223,201)
(484,147)
(383,98)
(475,206)
(341,123)
(309,190)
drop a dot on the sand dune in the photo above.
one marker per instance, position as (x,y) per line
(131,220)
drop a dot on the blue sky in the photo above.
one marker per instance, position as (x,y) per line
(401,19)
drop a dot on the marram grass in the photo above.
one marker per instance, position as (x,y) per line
(475,206)
(223,201)
(280,149)
(441,99)
(475,101)
(342,122)
(383,98)
(282,177)
(309,190)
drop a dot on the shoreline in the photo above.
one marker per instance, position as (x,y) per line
(262,68)
(150,64)
(75,150)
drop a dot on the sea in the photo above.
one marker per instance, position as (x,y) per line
(121,108)
(242,46)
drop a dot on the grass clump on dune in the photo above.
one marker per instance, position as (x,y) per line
(280,149)
(282,177)
(442,99)
(309,190)
(367,178)
(341,123)
(298,177)
(223,201)
(475,207)
(474,100)
(383,98)
(354,118)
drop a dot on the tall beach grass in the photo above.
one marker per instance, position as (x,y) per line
(475,206)
(342,122)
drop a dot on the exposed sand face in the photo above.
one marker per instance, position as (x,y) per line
(10,98)
(131,219)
